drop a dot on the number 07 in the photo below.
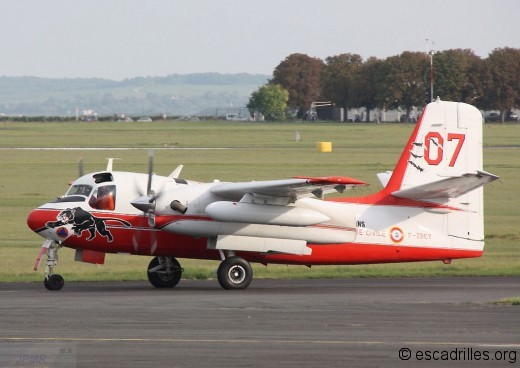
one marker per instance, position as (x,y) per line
(435,158)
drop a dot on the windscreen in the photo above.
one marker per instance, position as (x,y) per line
(80,189)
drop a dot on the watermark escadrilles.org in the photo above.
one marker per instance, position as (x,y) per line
(467,354)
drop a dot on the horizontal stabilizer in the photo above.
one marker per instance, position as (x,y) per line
(452,187)
(384,177)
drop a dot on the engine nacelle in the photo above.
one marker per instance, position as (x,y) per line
(264,214)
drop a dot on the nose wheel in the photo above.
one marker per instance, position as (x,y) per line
(54,282)
(234,273)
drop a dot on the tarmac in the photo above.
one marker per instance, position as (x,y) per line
(397,322)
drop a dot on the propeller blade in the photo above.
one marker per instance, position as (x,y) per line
(80,168)
(139,189)
(150,172)
(144,236)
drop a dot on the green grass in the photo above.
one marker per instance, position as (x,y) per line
(509,301)
(259,151)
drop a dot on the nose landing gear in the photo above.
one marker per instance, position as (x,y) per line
(51,281)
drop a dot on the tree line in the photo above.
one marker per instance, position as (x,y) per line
(397,82)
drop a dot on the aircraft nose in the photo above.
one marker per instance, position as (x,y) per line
(36,220)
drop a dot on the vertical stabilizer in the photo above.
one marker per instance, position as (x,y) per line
(442,163)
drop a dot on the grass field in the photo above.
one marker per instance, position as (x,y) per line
(240,151)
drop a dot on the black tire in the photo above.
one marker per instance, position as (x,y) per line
(163,280)
(234,273)
(54,282)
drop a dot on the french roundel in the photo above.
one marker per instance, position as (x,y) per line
(62,232)
(396,234)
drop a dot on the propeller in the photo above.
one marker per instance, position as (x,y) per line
(80,168)
(145,235)
(146,203)
(150,172)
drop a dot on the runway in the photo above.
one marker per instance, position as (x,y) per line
(280,323)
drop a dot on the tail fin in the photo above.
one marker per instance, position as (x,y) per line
(447,142)
(442,162)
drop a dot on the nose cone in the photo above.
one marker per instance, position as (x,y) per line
(36,220)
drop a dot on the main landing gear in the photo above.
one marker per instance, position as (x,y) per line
(234,273)
(164,272)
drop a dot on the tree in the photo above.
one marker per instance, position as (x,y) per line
(366,85)
(502,80)
(338,77)
(270,100)
(457,75)
(406,81)
(299,74)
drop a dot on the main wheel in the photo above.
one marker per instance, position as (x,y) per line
(234,273)
(160,276)
(54,282)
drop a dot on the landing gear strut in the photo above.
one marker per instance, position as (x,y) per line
(164,272)
(234,273)
(51,281)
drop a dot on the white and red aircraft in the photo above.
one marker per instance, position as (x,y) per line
(431,208)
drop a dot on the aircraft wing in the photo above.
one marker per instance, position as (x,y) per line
(286,190)
(452,187)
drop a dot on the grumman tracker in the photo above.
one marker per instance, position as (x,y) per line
(431,208)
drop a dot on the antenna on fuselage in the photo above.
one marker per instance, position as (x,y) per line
(110,164)
(175,173)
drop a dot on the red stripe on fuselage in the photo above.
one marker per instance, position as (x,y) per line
(357,253)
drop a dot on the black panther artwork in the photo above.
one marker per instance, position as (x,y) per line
(83,220)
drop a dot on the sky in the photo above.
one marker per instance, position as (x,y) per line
(118,39)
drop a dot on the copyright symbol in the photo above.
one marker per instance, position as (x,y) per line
(405,354)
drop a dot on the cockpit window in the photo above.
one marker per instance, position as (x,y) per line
(80,189)
(104,198)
